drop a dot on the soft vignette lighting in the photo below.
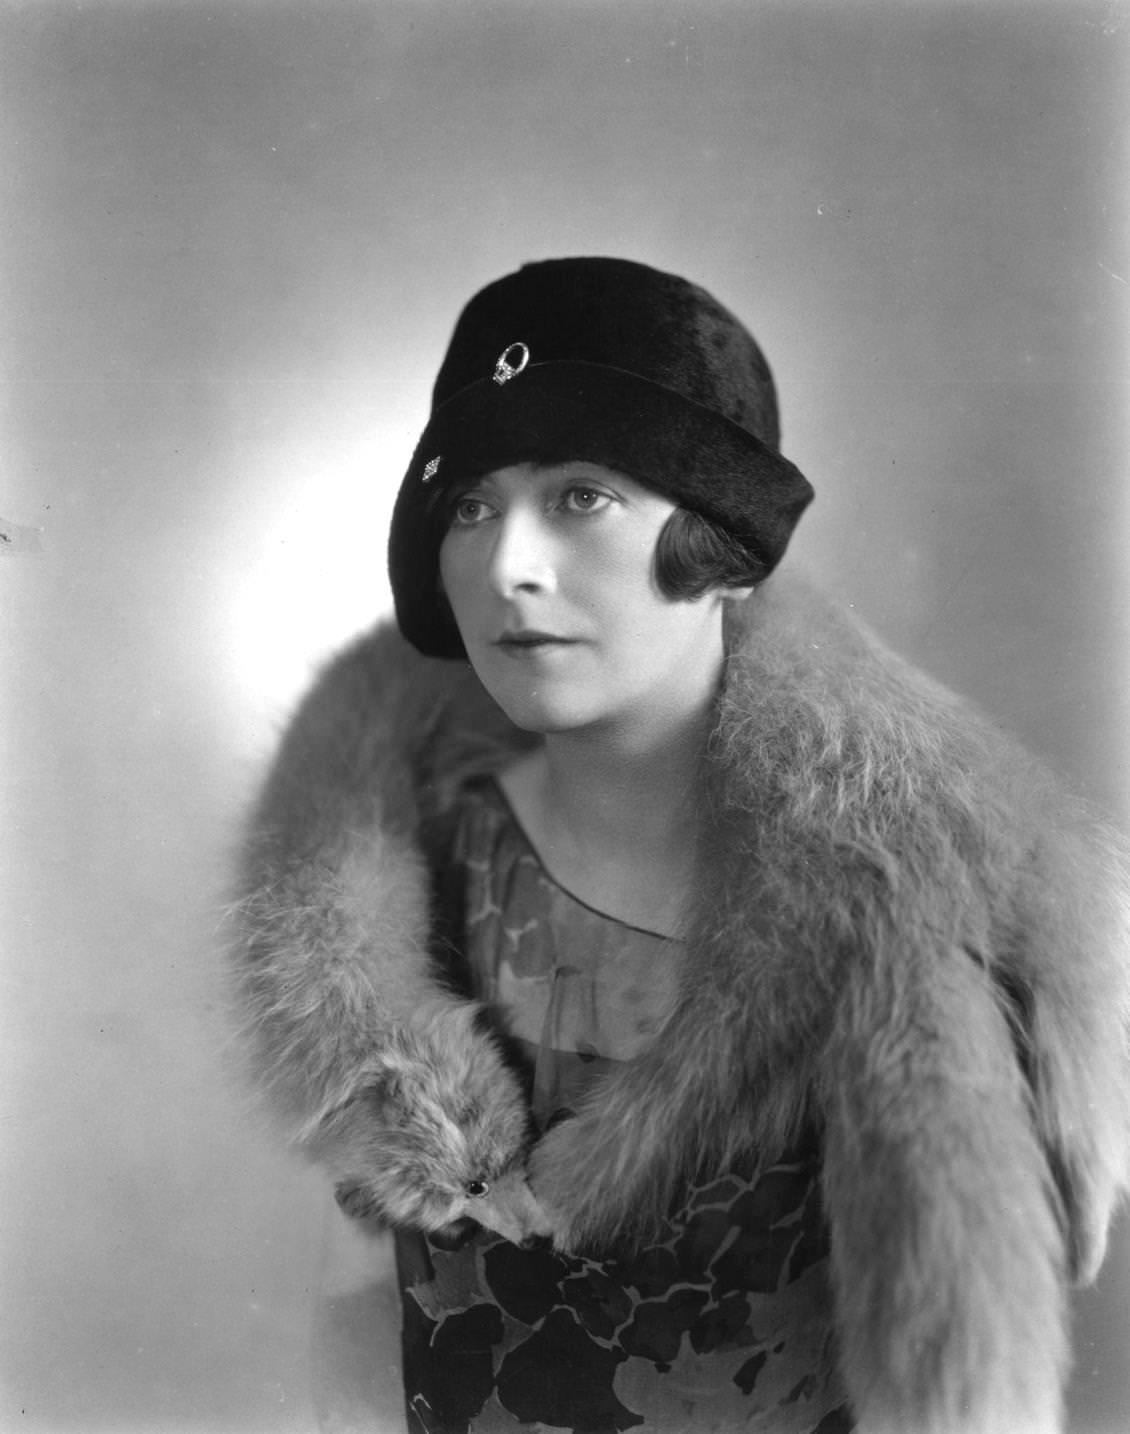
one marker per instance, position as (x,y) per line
(314,518)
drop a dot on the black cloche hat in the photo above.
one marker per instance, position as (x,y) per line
(608,361)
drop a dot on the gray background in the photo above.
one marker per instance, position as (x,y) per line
(233,239)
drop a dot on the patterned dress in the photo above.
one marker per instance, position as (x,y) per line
(722,1325)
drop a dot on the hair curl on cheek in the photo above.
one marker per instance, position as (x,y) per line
(693,554)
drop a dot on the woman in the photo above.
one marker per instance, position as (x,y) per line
(729,1022)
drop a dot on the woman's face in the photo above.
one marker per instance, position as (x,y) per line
(550,575)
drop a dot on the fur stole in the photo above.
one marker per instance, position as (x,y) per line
(905,932)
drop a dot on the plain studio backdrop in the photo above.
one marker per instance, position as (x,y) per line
(234,239)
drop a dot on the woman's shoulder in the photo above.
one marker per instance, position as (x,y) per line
(866,766)
(791,639)
(378,712)
(823,693)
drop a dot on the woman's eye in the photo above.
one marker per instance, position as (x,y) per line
(585,500)
(467,511)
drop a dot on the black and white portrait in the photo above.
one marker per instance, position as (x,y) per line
(235,241)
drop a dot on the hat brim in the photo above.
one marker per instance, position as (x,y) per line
(567,410)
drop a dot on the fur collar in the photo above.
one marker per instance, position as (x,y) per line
(904,932)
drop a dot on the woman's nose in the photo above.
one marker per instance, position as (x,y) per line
(521,558)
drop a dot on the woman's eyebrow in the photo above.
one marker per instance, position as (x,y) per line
(474,481)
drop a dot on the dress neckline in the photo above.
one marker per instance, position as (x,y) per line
(499,793)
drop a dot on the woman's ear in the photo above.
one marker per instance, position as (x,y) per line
(736,595)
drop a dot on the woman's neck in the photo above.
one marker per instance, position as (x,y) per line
(614,818)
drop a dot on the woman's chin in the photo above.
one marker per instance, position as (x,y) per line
(542,710)
(543,718)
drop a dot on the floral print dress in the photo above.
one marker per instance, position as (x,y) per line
(723,1324)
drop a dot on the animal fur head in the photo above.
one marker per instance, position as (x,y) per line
(436,1135)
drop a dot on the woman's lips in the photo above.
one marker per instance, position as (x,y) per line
(530,640)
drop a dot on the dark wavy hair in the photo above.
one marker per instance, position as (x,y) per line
(693,554)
